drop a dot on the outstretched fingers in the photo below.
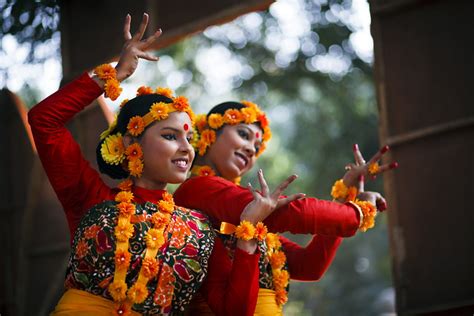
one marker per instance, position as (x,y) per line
(126,28)
(141,30)
(282,187)
(150,40)
(359,159)
(263,183)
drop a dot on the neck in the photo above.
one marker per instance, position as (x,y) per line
(148,184)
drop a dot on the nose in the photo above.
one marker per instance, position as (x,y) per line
(249,149)
(185,146)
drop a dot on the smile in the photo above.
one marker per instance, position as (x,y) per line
(181,163)
(242,158)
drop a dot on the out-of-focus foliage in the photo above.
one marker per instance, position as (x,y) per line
(299,63)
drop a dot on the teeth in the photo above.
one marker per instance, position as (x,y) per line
(180,163)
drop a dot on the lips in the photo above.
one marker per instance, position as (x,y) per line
(242,158)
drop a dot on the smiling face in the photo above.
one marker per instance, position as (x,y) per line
(167,153)
(233,152)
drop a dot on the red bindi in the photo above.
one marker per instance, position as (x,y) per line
(257,134)
(186,126)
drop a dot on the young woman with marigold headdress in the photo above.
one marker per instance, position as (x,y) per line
(133,250)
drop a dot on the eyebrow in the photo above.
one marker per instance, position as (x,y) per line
(251,130)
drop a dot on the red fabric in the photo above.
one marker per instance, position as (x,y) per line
(224,201)
(310,263)
(230,291)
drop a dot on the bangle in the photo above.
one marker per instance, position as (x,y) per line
(341,191)
(245,230)
(108,74)
(369,212)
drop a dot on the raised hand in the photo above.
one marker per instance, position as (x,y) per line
(373,197)
(134,48)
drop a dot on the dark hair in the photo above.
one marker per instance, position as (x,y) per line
(138,106)
(222,107)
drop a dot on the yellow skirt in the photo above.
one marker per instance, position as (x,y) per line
(77,302)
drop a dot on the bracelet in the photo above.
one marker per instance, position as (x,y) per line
(245,230)
(341,191)
(108,74)
(369,211)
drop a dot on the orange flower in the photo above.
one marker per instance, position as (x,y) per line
(159,111)
(154,238)
(201,122)
(251,105)
(202,146)
(125,185)
(208,136)
(135,167)
(351,194)
(272,240)
(123,103)
(277,259)
(165,206)
(143,90)
(105,72)
(126,209)
(166,196)
(232,116)
(249,115)
(123,231)
(81,249)
(369,211)
(160,220)
(245,230)
(136,125)
(267,134)
(374,168)
(112,89)
(206,171)
(124,196)
(122,259)
(262,118)
(339,190)
(281,296)
(260,231)
(112,149)
(117,290)
(150,267)
(138,293)
(91,232)
(167,92)
(280,278)
(215,120)
(180,103)
(134,151)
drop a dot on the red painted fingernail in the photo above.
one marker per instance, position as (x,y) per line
(382,206)
(361,178)
(384,149)
(373,177)
(393,165)
(355,147)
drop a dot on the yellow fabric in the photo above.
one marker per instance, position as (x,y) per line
(227,228)
(266,304)
(77,302)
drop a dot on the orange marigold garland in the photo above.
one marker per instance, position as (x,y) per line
(108,74)
(277,259)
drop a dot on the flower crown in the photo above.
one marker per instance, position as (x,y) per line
(113,150)
(206,125)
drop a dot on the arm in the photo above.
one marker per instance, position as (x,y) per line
(223,201)
(75,182)
(231,288)
(310,263)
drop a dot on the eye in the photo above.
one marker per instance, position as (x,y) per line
(257,148)
(169,136)
(243,133)
(189,138)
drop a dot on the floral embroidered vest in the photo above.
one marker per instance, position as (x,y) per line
(183,258)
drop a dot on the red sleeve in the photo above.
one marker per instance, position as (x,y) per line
(77,185)
(231,288)
(310,263)
(223,201)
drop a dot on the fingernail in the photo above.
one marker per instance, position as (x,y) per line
(382,206)
(384,149)
(361,178)
(393,165)
(355,147)
(373,177)
(160,30)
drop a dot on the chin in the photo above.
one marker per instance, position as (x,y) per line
(178,178)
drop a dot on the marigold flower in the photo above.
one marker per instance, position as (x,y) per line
(369,211)
(150,267)
(208,136)
(122,259)
(124,196)
(180,103)
(166,206)
(126,209)
(374,168)
(280,278)
(81,249)
(232,116)
(138,293)
(160,220)
(260,231)
(159,111)
(201,122)
(125,185)
(123,231)
(134,151)
(112,149)
(202,147)
(281,296)
(249,115)
(245,230)
(135,166)
(267,134)
(118,290)
(105,72)
(206,171)
(251,105)
(136,125)
(168,197)
(112,89)
(215,120)
(262,118)
(91,232)
(339,190)
(144,90)
(351,193)
(277,259)
(272,240)
(154,238)
(166,92)
(123,102)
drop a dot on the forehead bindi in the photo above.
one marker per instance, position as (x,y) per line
(185,127)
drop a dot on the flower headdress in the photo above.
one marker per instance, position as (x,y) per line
(247,113)
(134,117)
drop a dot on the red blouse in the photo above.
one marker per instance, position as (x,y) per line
(230,288)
